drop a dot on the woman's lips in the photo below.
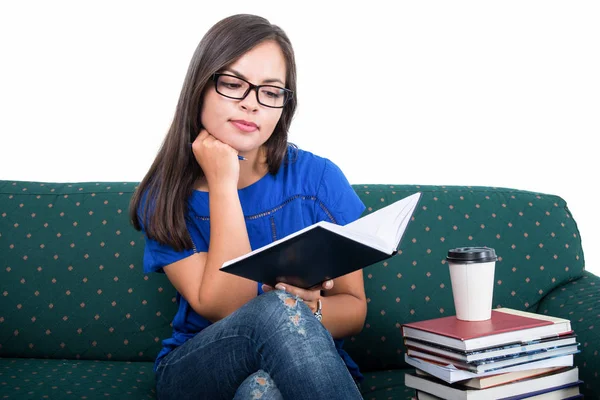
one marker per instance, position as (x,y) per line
(244,127)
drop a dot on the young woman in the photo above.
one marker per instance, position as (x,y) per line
(224,182)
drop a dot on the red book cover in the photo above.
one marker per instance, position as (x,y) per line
(464,330)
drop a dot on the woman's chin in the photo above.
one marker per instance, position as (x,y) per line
(244,146)
(241,144)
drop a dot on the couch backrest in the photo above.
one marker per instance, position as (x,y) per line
(72,286)
(71,280)
(535,238)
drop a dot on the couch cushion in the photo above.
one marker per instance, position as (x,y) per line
(67,379)
(384,385)
(22,378)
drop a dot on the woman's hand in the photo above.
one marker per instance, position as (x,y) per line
(218,160)
(310,296)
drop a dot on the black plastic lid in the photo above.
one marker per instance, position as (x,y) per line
(469,255)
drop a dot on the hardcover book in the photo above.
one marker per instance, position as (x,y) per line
(451,374)
(511,349)
(505,326)
(485,382)
(520,389)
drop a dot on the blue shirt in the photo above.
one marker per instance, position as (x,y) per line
(306,189)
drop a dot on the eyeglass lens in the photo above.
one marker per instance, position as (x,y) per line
(272,96)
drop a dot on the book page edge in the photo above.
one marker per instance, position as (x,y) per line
(528,314)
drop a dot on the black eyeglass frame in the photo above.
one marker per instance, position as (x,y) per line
(288,93)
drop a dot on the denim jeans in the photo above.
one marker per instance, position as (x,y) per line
(270,348)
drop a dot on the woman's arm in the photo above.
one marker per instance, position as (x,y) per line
(344,306)
(222,293)
(210,292)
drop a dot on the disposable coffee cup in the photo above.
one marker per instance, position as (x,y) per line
(472,277)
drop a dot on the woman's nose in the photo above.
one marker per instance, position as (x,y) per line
(250,102)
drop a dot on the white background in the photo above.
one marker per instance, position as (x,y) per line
(482,93)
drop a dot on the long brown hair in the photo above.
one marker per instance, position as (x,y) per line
(169,181)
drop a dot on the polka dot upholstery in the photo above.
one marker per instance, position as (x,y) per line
(73,297)
(72,379)
(387,384)
(578,301)
(535,238)
(72,287)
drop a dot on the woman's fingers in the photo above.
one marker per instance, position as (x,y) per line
(217,159)
(304,294)
(267,288)
(326,285)
(203,135)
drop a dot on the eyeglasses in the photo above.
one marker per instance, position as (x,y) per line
(237,88)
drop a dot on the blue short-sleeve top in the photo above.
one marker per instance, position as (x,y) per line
(306,189)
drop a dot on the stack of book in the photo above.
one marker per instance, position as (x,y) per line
(514,355)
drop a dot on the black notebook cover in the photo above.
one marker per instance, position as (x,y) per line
(307,260)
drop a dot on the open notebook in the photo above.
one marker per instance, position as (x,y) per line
(325,251)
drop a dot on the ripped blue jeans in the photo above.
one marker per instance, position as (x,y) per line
(270,348)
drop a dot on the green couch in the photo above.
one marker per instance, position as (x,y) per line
(79,319)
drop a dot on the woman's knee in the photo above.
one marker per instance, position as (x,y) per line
(258,386)
(279,309)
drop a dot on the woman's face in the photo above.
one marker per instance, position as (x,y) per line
(230,120)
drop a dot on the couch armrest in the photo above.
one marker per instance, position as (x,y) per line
(579,301)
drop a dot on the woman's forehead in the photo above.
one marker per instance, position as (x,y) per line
(264,63)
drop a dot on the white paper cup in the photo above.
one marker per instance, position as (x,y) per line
(472,276)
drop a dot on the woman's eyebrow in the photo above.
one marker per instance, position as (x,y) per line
(271,80)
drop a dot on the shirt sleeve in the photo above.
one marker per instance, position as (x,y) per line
(339,203)
(158,255)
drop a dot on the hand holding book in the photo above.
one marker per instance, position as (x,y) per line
(310,296)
